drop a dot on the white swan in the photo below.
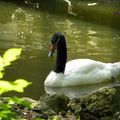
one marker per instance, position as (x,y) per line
(79,71)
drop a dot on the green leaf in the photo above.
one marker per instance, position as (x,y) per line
(17,85)
(5,86)
(11,55)
(5,112)
(20,101)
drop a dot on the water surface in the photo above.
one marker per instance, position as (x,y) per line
(31,30)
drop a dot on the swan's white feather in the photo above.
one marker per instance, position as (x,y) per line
(83,72)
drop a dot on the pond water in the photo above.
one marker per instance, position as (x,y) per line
(31,30)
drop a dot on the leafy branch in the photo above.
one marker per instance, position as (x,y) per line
(5,86)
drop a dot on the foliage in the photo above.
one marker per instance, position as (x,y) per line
(5,112)
(8,57)
(5,86)
(20,101)
(18,85)
(6,106)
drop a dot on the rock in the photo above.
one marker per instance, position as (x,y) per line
(56,102)
(100,105)
(40,108)
(30,100)
(103,104)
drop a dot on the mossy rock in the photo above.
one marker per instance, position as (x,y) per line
(56,102)
(101,104)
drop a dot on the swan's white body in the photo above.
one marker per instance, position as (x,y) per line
(83,72)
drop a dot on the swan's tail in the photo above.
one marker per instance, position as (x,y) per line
(116,66)
(116,69)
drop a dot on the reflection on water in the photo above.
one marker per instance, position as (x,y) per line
(79,91)
(70,11)
(32,30)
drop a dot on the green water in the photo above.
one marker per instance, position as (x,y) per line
(32,29)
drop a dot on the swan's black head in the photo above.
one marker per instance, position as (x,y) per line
(56,37)
(58,42)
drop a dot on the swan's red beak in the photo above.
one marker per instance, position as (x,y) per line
(52,50)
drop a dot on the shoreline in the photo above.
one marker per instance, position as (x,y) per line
(103,104)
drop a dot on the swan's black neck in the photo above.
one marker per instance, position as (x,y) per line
(61,52)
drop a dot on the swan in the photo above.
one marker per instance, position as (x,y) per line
(79,71)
